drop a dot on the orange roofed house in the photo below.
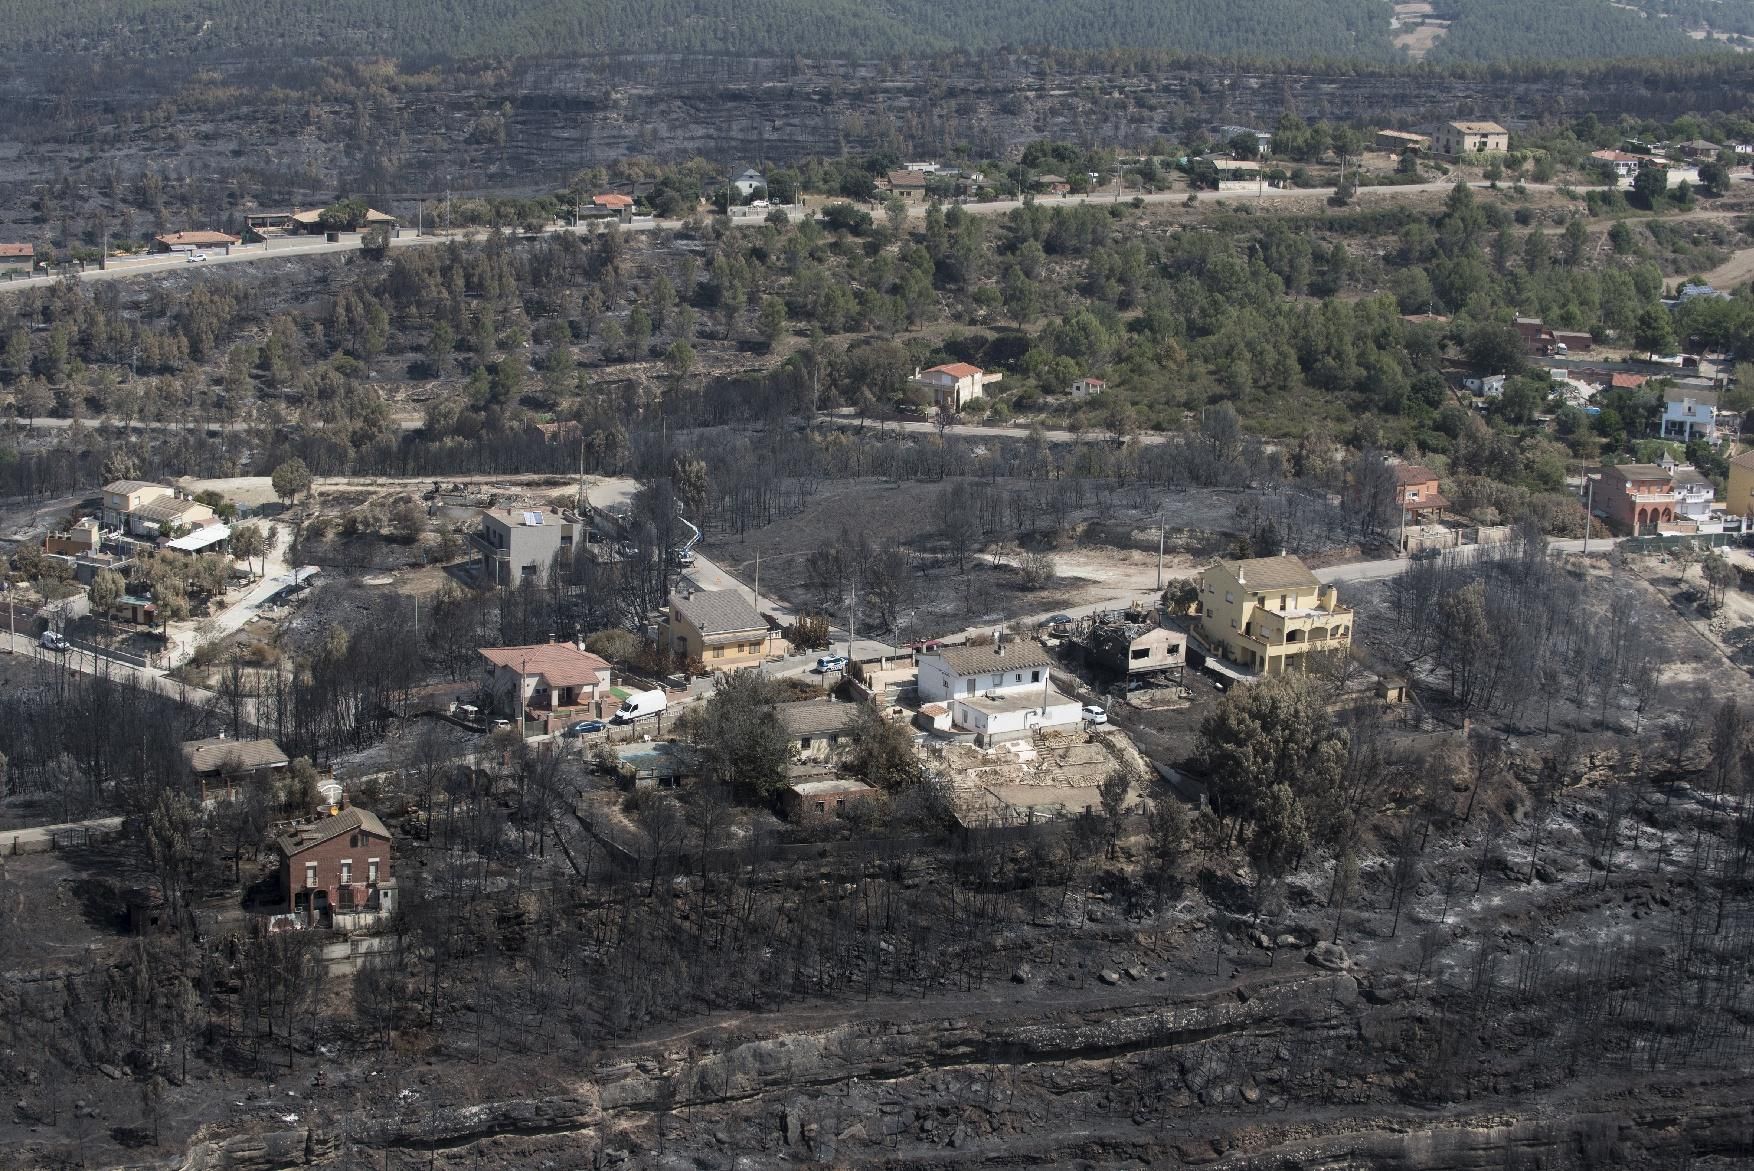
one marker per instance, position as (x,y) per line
(553,682)
(955,384)
(1416,492)
(191,241)
(17,258)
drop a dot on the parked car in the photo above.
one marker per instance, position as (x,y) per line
(196,256)
(1058,620)
(499,724)
(828,664)
(584,728)
(684,557)
(51,641)
(1093,714)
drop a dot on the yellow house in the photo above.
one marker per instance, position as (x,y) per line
(1262,613)
(718,627)
(1739,495)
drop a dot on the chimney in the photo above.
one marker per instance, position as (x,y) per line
(1240,578)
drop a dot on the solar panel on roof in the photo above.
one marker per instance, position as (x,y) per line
(533,518)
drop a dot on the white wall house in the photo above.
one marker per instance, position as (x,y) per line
(963,672)
(1691,416)
(955,384)
(999,692)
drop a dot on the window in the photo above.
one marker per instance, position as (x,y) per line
(528,572)
(1208,611)
(346,871)
(371,870)
(1017,678)
(310,875)
(1143,652)
(804,742)
(821,808)
(1035,676)
(718,652)
(1281,602)
(1229,598)
(353,842)
(833,740)
(1233,624)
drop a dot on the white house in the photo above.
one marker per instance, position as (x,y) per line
(1694,495)
(1491,386)
(967,671)
(1085,387)
(999,692)
(748,183)
(1692,415)
(955,384)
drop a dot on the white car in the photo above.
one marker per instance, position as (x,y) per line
(51,641)
(1094,714)
(196,256)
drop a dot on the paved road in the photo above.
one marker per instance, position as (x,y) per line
(246,253)
(87,662)
(979,430)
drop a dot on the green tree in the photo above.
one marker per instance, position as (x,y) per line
(291,479)
(771,321)
(738,733)
(1655,331)
(882,752)
(107,589)
(1275,733)
(1650,185)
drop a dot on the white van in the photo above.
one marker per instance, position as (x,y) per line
(639,706)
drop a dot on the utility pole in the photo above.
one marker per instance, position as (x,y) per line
(758,581)
(852,617)
(1160,552)
(1588,508)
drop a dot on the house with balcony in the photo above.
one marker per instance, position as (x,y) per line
(1264,613)
(1690,415)
(1416,493)
(955,384)
(520,544)
(337,866)
(1695,497)
(1635,499)
(551,683)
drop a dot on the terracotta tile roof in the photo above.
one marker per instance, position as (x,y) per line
(195,239)
(907,179)
(1628,381)
(613,200)
(1271,573)
(304,837)
(1413,474)
(219,754)
(956,370)
(17,251)
(1479,127)
(560,663)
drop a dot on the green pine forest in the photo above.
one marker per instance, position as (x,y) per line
(1483,30)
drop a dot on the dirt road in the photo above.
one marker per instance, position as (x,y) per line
(1737,270)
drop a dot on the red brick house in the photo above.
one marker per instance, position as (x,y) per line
(1416,492)
(1635,498)
(340,863)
